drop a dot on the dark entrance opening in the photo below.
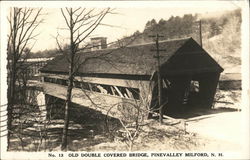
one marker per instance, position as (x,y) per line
(184,93)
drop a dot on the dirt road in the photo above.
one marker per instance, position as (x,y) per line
(222,127)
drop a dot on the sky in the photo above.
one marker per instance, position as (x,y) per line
(131,16)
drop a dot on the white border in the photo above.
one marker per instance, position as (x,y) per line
(125,4)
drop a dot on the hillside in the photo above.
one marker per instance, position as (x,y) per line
(222,39)
(220,35)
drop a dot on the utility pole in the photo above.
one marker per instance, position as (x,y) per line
(200,33)
(159,79)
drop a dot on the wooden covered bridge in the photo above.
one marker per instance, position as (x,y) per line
(127,75)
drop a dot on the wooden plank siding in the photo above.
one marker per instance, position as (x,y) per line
(107,81)
(100,101)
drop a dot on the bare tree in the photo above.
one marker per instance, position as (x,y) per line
(132,116)
(80,22)
(22,23)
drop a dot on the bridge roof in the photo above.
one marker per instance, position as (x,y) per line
(136,59)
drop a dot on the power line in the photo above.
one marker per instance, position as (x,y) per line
(200,33)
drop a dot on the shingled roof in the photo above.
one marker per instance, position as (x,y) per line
(130,60)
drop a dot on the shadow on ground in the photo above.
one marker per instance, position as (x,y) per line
(196,112)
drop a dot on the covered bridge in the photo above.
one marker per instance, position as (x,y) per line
(127,74)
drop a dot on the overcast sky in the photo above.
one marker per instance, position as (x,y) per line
(131,16)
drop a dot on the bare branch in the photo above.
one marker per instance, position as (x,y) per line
(65,18)
(81,25)
(74,11)
(78,15)
(69,10)
(86,16)
(32,24)
(92,27)
(57,42)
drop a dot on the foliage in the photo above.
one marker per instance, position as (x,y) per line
(45,53)
(174,27)
(222,38)
(220,34)
(225,28)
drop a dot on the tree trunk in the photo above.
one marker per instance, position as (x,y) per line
(70,85)
(68,104)
(11,95)
(11,101)
(66,115)
(75,20)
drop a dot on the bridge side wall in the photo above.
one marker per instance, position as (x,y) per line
(105,103)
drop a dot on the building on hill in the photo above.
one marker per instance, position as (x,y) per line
(98,43)
(111,76)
